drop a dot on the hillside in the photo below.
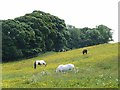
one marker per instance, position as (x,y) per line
(99,68)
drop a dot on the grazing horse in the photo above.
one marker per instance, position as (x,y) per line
(39,62)
(84,51)
(66,67)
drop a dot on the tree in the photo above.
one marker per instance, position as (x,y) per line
(39,32)
(82,37)
(105,32)
(32,34)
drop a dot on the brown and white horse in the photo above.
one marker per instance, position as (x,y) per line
(39,62)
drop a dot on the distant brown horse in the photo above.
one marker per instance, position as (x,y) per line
(84,51)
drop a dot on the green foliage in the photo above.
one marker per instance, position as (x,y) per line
(16,37)
(39,32)
(105,32)
(31,34)
(82,37)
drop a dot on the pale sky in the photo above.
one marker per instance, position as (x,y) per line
(79,13)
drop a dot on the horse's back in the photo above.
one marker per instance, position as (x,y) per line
(84,51)
(70,65)
(40,61)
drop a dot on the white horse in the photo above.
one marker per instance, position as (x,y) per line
(39,62)
(66,67)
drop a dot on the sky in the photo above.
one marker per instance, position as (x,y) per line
(79,13)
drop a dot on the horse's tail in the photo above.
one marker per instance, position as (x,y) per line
(35,65)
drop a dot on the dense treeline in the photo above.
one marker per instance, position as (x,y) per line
(81,37)
(38,32)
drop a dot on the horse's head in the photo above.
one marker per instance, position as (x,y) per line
(45,64)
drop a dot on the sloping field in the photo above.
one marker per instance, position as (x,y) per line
(97,69)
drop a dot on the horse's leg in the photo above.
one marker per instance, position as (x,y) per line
(34,65)
(83,52)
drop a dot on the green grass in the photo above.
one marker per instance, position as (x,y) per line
(97,69)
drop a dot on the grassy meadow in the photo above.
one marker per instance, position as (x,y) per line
(97,69)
